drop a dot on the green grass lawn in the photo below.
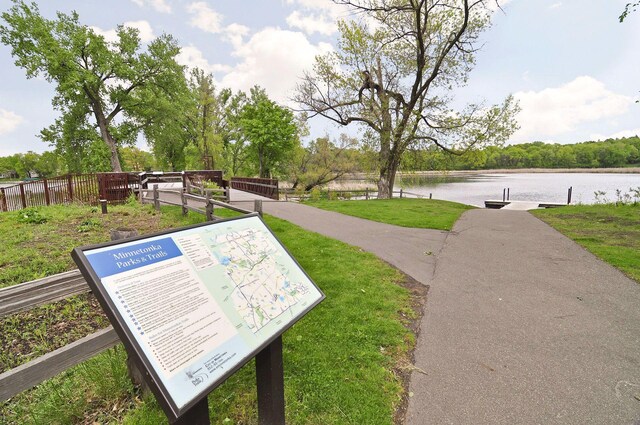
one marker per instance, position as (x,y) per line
(611,232)
(344,361)
(419,213)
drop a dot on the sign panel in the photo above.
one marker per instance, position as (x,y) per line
(197,303)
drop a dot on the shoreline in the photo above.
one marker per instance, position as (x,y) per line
(630,170)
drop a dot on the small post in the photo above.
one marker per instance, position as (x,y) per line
(141,195)
(70,186)
(366,194)
(257,206)
(3,198)
(430,195)
(183,199)
(504,194)
(185,182)
(209,207)
(569,195)
(103,205)
(22,196)
(197,415)
(508,190)
(156,197)
(400,193)
(270,383)
(47,197)
(187,185)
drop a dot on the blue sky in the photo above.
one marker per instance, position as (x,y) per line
(571,64)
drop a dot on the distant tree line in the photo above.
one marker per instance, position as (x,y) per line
(611,153)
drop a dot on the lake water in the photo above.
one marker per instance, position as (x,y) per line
(546,187)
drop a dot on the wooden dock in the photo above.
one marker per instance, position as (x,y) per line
(520,205)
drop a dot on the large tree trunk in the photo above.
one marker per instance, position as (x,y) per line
(108,139)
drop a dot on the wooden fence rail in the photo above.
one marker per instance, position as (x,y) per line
(27,295)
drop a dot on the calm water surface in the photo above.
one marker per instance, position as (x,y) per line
(547,187)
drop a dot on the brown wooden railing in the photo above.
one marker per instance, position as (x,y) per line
(258,186)
(90,188)
(57,190)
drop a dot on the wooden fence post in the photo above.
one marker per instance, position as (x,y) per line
(400,193)
(3,198)
(47,199)
(209,207)
(430,195)
(156,197)
(257,206)
(183,200)
(569,195)
(103,205)
(366,194)
(70,186)
(22,196)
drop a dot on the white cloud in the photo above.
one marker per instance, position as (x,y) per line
(555,5)
(314,4)
(192,57)
(322,24)
(205,18)
(158,5)
(235,33)
(9,121)
(144,28)
(274,59)
(558,110)
(620,134)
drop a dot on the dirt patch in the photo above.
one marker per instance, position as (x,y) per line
(28,335)
(418,299)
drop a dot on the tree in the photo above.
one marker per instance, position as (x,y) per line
(322,162)
(271,131)
(134,159)
(393,73)
(211,120)
(101,87)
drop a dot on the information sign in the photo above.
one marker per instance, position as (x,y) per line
(195,304)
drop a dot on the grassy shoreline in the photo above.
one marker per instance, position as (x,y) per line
(609,231)
(406,212)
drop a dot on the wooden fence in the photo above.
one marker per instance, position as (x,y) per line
(90,188)
(264,187)
(25,296)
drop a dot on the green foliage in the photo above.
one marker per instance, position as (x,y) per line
(611,153)
(96,81)
(31,215)
(610,231)
(271,132)
(418,213)
(322,161)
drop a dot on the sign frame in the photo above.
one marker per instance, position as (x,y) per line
(134,348)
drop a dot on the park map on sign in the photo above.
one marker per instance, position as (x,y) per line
(200,300)
(262,290)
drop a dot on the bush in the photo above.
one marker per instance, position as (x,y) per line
(32,216)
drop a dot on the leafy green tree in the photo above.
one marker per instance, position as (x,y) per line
(212,120)
(134,159)
(392,73)
(101,87)
(323,161)
(271,132)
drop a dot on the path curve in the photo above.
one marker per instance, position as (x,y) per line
(522,325)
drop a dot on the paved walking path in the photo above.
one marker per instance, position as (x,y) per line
(522,325)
